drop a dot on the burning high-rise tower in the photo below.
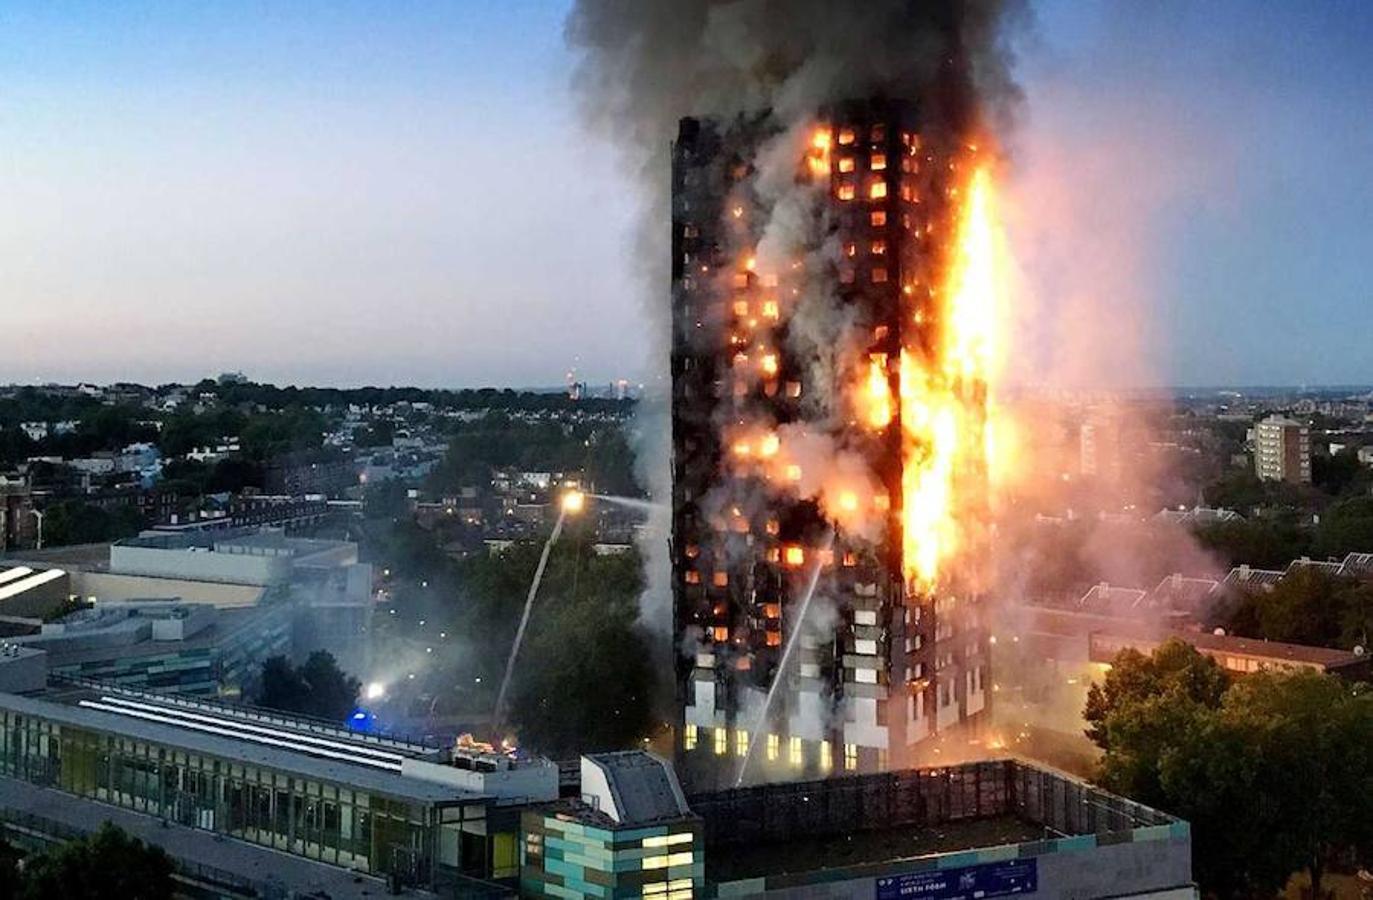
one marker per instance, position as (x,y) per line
(832,330)
(831,344)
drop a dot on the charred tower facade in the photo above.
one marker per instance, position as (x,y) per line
(794,390)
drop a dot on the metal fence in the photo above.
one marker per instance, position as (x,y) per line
(916,798)
(306,724)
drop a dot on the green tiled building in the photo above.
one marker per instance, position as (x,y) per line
(630,835)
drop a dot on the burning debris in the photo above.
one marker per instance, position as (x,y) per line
(834,343)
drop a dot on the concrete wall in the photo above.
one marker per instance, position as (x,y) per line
(200,565)
(530,782)
(22,670)
(107,586)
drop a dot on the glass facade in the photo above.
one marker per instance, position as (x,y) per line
(317,819)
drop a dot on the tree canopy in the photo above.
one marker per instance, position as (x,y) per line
(108,863)
(317,688)
(1272,770)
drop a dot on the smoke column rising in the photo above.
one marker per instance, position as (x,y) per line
(645,64)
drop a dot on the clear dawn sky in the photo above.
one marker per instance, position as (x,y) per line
(391,193)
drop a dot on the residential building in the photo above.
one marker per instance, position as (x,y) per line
(1282,450)
(892,664)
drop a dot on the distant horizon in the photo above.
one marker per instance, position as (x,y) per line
(593,383)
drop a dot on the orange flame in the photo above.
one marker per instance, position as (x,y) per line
(878,392)
(944,394)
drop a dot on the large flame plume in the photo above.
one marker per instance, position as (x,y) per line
(948,445)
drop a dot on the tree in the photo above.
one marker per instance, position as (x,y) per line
(74,522)
(1272,771)
(108,863)
(585,684)
(333,692)
(1142,705)
(1335,473)
(280,686)
(10,878)
(318,688)
(1346,527)
(1263,543)
(1307,607)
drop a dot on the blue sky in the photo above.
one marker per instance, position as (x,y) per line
(396,193)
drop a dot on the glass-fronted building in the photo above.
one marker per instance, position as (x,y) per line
(296,786)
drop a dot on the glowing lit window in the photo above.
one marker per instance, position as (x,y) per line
(879,162)
(879,276)
(774,638)
(773,526)
(793,473)
(720,579)
(850,559)
(846,275)
(878,248)
(846,164)
(689,738)
(878,190)
(908,193)
(847,136)
(655,862)
(741,278)
(741,307)
(693,577)
(794,555)
(826,756)
(770,309)
(721,741)
(795,752)
(720,633)
(793,389)
(692,551)
(846,192)
(878,218)
(774,554)
(850,249)
(769,363)
(667,840)
(774,747)
(850,757)
(741,743)
(772,610)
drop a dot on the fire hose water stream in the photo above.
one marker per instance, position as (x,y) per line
(571,503)
(797,627)
(646,506)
